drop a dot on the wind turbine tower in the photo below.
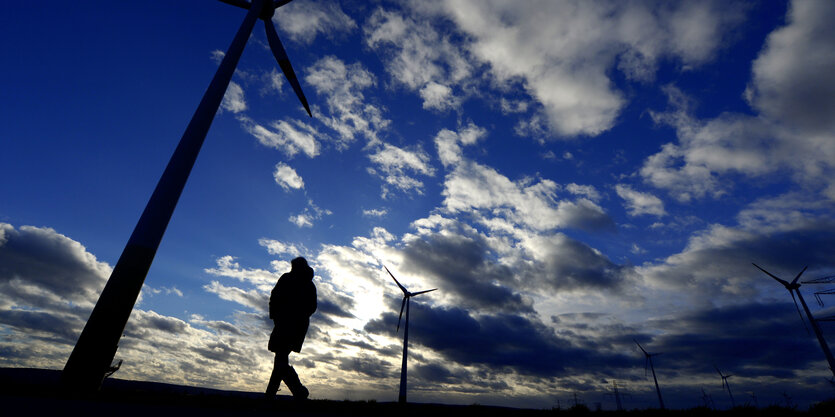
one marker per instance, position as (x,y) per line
(618,401)
(707,400)
(726,385)
(794,287)
(648,361)
(406,301)
(96,346)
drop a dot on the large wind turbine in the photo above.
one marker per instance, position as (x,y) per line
(95,348)
(648,360)
(794,287)
(406,301)
(726,385)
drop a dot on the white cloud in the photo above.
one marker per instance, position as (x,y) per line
(273,80)
(287,178)
(217,56)
(437,96)
(587,191)
(513,106)
(343,86)
(233,99)
(375,212)
(476,188)
(447,142)
(792,89)
(304,21)
(638,203)
(396,163)
(792,77)
(289,137)
(787,231)
(147,289)
(275,247)
(252,298)
(419,57)
(301,220)
(228,267)
(310,214)
(562,51)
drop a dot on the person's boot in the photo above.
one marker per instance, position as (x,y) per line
(291,378)
(274,385)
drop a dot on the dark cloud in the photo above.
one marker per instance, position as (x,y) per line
(568,264)
(723,267)
(433,374)
(151,320)
(61,328)
(585,215)
(221,351)
(502,342)
(369,365)
(222,327)
(334,304)
(464,266)
(791,80)
(40,267)
(387,350)
(749,340)
(48,286)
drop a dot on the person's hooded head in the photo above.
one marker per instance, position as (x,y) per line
(299,266)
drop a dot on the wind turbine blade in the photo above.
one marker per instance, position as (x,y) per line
(402,305)
(402,288)
(239,3)
(279,3)
(284,62)
(799,313)
(646,366)
(423,292)
(798,275)
(782,281)
(720,372)
(640,347)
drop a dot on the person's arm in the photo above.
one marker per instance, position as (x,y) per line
(275,300)
(313,302)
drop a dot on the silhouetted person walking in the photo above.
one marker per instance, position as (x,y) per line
(292,302)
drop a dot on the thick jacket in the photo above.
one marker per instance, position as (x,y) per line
(292,302)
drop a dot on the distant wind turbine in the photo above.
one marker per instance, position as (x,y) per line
(648,361)
(707,400)
(406,301)
(94,351)
(726,385)
(794,287)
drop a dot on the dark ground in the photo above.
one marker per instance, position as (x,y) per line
(36,392)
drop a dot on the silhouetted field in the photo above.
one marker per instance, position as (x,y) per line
(36,392)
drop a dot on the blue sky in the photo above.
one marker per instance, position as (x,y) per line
(571,175)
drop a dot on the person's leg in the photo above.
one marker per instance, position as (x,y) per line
(291,378)
(279,371)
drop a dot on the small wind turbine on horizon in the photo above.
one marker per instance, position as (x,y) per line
(726,385)
(648,361)
(707,400)
(95,348)
(405,304)
(794,287)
